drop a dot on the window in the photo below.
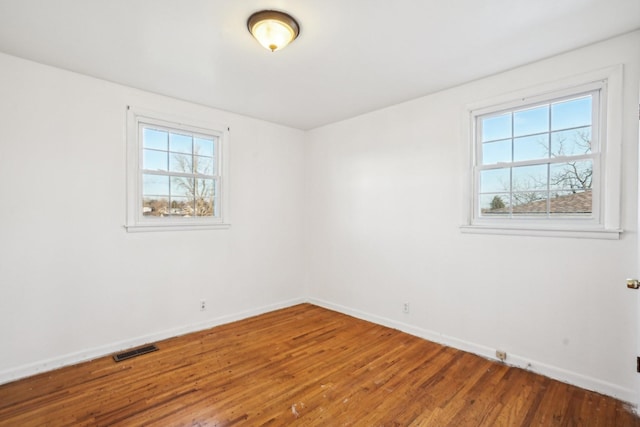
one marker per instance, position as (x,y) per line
(176,174)
(544,163)
(539,160)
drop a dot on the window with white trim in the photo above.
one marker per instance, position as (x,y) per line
(545,162)
(539,160)
(176,174)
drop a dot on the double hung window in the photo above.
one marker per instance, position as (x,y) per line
(177,175)
(539,160)
(546,161)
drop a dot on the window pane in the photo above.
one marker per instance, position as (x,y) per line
(180,163)
(205,195)
(568,202)
(497,127)
(204,147)
(572,142)
(204,207)
(533,120)
(181,186)
(154,160)
(179,143)
(571,113)
(204,165)
(155,185)
(155,206)
(494,204)
(530,203)
(152,138)
(494,180)
(215,197)
(204,188)
(531,148)
(575,176)
(494,152)
(181,206)
(529,178)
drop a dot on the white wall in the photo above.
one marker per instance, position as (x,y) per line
(383,217)
(73,283)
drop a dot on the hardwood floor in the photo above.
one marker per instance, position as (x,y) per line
(303,366)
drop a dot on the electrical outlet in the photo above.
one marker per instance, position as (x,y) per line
(203,305)
(501,355)
(405,307)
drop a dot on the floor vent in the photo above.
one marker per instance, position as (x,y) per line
(135,352)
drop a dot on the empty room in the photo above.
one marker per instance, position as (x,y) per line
(319,212)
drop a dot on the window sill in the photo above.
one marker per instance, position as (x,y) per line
(607,234)
(174,227)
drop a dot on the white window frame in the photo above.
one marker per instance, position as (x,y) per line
(604,222)
(135,220)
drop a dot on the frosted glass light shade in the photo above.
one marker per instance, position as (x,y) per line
(273,30)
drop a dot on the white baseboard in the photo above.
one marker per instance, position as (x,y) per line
(563,375)
(31,369)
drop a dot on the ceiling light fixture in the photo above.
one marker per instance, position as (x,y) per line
(273,30)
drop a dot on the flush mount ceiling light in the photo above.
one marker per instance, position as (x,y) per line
(273,30)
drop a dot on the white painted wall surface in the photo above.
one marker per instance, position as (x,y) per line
(383,214)
(73,283)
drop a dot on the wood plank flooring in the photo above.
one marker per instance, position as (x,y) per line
(302,366)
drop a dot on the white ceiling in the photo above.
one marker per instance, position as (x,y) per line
(352,56)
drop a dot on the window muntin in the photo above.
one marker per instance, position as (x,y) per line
(538,160)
